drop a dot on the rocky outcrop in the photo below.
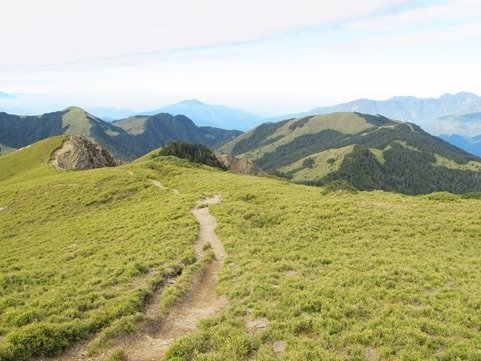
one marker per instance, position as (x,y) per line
(240,165)
(80,153)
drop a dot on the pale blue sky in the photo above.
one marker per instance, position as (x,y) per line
(270,58)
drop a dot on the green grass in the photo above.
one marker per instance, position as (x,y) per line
(77,121)
(324,163)
(346,123)
(29,161)
(132,125)
(471,165)
(82,249)
(338,275)
(341,275)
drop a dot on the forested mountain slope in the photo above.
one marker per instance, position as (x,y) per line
(371,152)
(126,139)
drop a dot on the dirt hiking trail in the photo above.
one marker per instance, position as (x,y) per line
(157,332)
(152,341)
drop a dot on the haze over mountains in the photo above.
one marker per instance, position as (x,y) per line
(464,131)
(405,108)
(126,139)
(451,116)
(435,115)
(455,118)
(211,115)
(202,114)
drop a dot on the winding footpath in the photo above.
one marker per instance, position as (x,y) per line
(201,301)
(157,332)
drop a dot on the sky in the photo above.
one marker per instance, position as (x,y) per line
(268,57)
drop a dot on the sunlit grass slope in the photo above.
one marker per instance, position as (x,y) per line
(29,162)
(340,276)
(81,249)
(337,276)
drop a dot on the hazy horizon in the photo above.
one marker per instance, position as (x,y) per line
(268,59)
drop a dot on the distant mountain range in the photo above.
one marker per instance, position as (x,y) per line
(470,144)
(211,115)
(202,114)
(451,116)
(454,117)
(420,111)
(370,152)
(412,109)
(464,131)
(126,139)
(465,125)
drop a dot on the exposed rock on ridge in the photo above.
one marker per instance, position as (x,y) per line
(80,153)
(240,165)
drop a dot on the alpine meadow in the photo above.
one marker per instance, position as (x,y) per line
(240,181)
(333,274)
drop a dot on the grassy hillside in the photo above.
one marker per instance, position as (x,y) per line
(371,152)
(399,280)
(81,249)
(316,166)
(33,159)
(126,139)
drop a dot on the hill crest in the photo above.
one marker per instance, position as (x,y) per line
(370,152)
(126,139)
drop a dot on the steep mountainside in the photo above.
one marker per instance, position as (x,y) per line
(150,132)
(211,115)
(371,152)
(125,139)
(20,131)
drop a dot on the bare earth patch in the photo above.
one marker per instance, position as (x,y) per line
(371,354)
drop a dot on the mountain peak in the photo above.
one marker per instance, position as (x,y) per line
(74,108)
(368,151)
(458,95)
(191,102)
(203,114)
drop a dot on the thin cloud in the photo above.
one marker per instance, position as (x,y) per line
(458,11)
(59,32)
